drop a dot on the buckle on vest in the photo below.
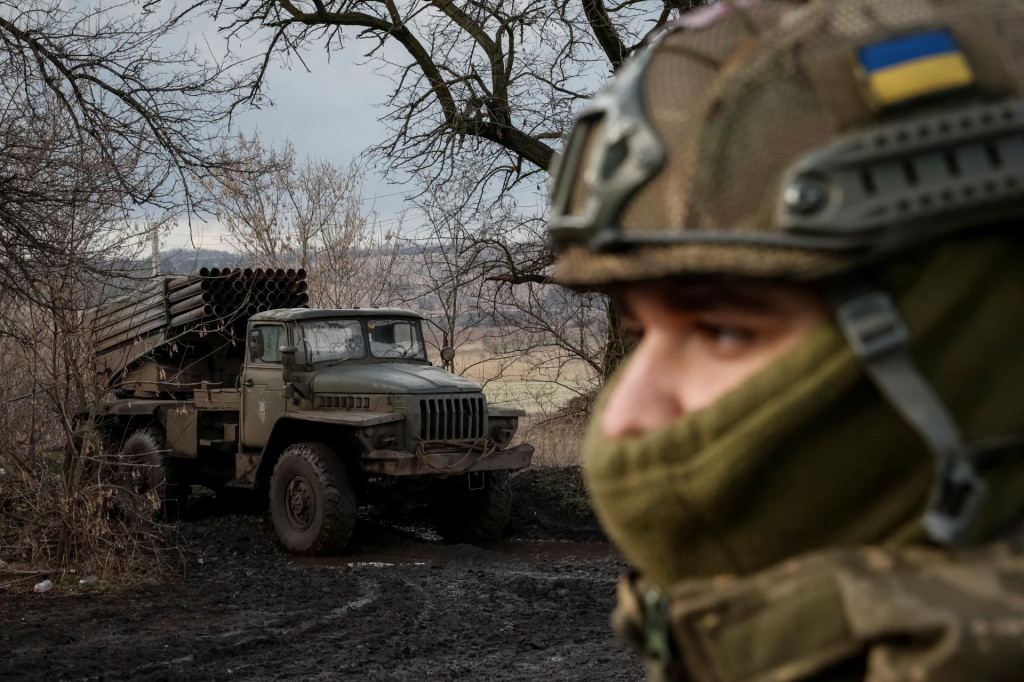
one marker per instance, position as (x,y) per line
(950,519)
(657,628)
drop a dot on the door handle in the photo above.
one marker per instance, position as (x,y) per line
(249,382)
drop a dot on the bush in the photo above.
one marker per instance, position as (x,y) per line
(59,513)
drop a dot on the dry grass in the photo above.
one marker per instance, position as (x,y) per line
(60,515)
(50,529)
(557,441)
(557,436)
(64,516)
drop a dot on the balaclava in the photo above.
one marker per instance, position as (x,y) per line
(807,453)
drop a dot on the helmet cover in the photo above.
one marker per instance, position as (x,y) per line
(785,139)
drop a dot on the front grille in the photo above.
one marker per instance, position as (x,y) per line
(344,402)
(453,418)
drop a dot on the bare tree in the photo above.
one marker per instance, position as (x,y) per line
(140,115)
(251,201)
(46,516)
(483,89)
(368,275)
(531,335)
(492,77)
(565,338)
(280,211)
(447,256)
(100,121)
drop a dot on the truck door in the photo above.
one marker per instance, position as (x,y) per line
(263,398)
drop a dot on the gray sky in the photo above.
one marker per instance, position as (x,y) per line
(329,113)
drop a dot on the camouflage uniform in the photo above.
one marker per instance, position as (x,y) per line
(871,614)
(830,142)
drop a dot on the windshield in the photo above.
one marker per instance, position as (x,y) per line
(332,340)
(396,339)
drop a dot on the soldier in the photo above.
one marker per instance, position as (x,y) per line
(813,456)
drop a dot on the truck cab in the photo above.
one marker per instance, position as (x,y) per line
(366,372)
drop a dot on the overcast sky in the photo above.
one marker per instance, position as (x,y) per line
(328,108)
(329,113)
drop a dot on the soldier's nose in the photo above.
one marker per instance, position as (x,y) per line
(647,395)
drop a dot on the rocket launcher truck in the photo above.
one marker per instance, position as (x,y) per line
(227,378)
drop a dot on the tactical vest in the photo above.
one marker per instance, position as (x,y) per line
(868,614)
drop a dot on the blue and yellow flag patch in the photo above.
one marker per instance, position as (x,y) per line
(912,66)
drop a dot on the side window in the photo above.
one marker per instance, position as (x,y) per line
(396,339)
(265,343)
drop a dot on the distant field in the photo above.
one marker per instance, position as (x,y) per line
(538,382)
(535,397)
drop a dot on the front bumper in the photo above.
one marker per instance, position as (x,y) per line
(395,463)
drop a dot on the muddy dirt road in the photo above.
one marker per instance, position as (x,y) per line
(399,606)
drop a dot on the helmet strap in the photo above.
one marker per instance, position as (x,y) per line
(875,330)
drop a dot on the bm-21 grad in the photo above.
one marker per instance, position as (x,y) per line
(317,409)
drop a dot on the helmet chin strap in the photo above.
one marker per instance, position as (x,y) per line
(877,333)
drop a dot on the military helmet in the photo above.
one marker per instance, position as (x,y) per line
(775,138)
(802,140)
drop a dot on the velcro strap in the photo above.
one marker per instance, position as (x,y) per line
(754,631)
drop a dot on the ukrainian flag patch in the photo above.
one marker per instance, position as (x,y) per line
(912,66)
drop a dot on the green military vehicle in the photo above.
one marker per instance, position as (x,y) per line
(315,409)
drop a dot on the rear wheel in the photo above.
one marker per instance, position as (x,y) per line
(312,500)
(85,455)
(142,468)
(462,514)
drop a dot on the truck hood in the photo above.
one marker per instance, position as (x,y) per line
(390,378)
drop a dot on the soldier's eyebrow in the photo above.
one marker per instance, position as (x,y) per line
(690,297)
(708,297)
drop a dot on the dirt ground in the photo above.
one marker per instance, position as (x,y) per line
(399,605)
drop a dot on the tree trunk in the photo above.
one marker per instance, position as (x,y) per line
(619,343)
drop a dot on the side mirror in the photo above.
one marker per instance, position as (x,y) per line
(447,355)
(288,362)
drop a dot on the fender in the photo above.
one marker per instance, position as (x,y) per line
(349,419)
(317,422)
(136,407)
(493,411)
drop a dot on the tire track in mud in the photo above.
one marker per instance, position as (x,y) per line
(396,608)
(291,624)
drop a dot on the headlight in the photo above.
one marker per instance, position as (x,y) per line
(383,439)
(502,434)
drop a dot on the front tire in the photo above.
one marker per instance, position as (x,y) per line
(312,500)
(464,515)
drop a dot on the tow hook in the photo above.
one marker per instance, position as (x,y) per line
(476,480)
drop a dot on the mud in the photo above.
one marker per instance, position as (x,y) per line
(399,605)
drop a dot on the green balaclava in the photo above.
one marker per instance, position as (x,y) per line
(807,454)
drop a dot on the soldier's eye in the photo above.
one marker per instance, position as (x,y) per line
(726,339)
